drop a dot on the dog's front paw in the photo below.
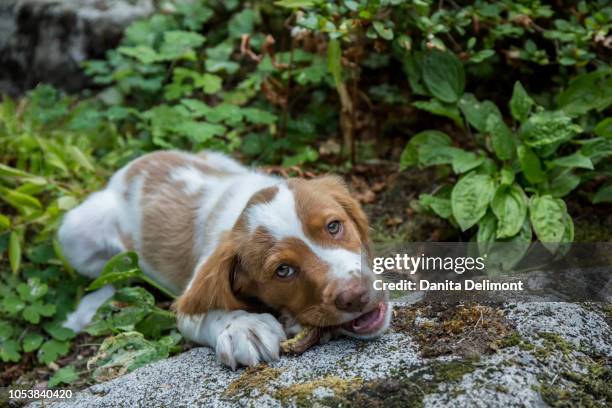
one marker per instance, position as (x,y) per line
(249,339)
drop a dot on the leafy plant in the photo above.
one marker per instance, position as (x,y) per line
(512,184)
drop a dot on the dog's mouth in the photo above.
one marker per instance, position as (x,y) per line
(369,322)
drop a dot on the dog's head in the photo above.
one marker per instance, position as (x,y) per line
(300,247)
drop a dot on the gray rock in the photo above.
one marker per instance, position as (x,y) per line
(361,371)
(47,40)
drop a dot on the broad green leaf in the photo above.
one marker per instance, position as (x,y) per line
(603,195)
(31,342)
(505,254)
(32,290)
(51,350)
(502,138)
(209,83)
(9,351)
(15,252)
(384,32)
(476,112)
(410,155)
(521,103)
(334,60)
(506,176)
(6,330)
(180,44)
(120,268)
(465,161)
(563,183)
(604,128)
(575,160)
(142,53)
(12,304)
(439,108)
(440,206)
(32,313)
(259,116)
(430,155)
(547,215)
(200,131)
(530,165)
(126,352)
(487,229)
(58,332)
(65,375)
(510,207)
(470,198)
(548,128)
(586,92)
(242,23)
(444,76)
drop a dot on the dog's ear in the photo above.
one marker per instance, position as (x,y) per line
(338,189)
(211,287)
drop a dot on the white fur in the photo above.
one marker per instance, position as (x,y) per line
(86,310)
(238,337)
(280,218)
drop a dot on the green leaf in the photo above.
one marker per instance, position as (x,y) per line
(547,128)
(33,312)
(5,222)
(444,76)
(293,4)
(58,332)
(604,128)
(530,165)
(209,83)
(384,32)
(438,108)
(6,330)
(504,255)
(465,161)
(32,290)
(9,351)
(576,160)
(476,112)
(65,375)
(603,195)
(470,198)
(180,44)
(142,53)
(563,183)
(586,92)
(126,352)
(440,206)
(510,208)
(19,200)
(242,23)
(334,60)
(51,350)
(15,251)
(31,342)
(487,228)
(12,304)
(521,103)
(547,215)
(200,131)
(120,268)
(501,137)
(79,157)
(506,176)
(259,116)
(7,171)
(410,155)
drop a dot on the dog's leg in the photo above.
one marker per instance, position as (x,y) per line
(238,337)
(89,238)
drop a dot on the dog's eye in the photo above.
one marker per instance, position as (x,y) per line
(334,227)
(285,271)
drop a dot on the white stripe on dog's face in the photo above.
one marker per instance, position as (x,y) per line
(279,217)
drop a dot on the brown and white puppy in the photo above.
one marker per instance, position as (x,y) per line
(233,243)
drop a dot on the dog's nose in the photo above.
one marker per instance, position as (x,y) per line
(353,299)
